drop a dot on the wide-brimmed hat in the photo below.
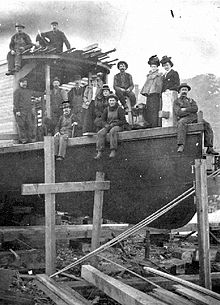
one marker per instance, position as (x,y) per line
(56,79)
(122,62)
(184,85)
(23,79)
(154,60)
(19,25)
(54,22)
(65,104)
(106,87)
(166,59)
(112,96)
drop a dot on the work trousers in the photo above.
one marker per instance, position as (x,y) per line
(122,95)
(60,145)
(113,137)
(26,127)
(14,61)
(88,118)
(152,111)
(182,129)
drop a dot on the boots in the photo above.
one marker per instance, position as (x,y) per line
(211,151)
(112,154)
(98,156)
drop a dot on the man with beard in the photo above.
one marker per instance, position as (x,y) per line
(101,103)
(24,112)
(123,85)
(54,39)
(186,109)
(18,44)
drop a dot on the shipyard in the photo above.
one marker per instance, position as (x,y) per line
(109,156)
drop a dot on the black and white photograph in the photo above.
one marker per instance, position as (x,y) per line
(109,152)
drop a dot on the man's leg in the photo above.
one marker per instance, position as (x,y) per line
(100,145)
(121,96)
(132,97)
(11,62)
(208,134)
(181,131)
(17,61)
(113,136)
(56,145)
(31,127)
(63,145)
(22,134)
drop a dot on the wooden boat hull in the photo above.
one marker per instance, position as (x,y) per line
(145,175)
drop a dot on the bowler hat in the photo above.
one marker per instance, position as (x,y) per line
(154,60)
(19,25)
(56,79)
(166,59)
(23,79)
(65,104)
(54,23)
(112,96)
(122,62)
(105,87)
(184,85)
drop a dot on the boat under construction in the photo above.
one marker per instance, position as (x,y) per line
(145,175)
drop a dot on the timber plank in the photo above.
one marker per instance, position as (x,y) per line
(169,297)
(193,295)
(67,296)
(65,187)
(117,290)
(15,298)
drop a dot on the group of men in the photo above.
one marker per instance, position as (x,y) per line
(80,112)
(21,42)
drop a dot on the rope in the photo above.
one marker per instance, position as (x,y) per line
(131,230)
(136,227)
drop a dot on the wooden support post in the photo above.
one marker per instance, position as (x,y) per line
(203,224)
(47,80)
(97,215)
(147,244)
(50,239)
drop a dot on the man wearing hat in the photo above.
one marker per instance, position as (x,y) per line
(24,112)
(92,91)
(186,109)
(123,85)
(75,96)
(20,42)
(101,103)
(64,130)
(113,121)
(54,39)
(57,97)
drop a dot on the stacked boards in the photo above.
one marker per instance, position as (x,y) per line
(8,129)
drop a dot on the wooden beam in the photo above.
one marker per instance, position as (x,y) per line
(213,185)
(97,214)
(203,223)
(123,294)
(58,293)
(196,296)
(47,85)
(184,282)
(50,240)
(65,187)
(169,297)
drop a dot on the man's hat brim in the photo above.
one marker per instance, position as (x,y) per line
(122,62)
(112,96)
(19,25)
(54,22)
(184,85)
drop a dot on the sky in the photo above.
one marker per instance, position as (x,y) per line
(186,30)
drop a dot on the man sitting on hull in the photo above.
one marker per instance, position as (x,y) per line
(123,85)
(186,109)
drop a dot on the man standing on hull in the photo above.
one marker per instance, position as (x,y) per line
(123,85)
(186,109)
(24,113)
(18,44)
(54,39)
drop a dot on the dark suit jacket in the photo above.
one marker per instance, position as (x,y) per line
(171,81)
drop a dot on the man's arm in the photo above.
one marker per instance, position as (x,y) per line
(57,128)
(131,86)
(115,83)
(12,43)
(177,108)
(28,42)
(193,108)
(66,41)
